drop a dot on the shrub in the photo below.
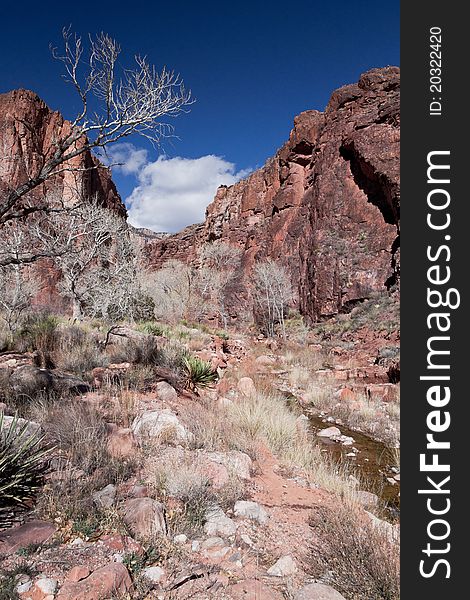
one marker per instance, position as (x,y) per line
(23,464)
(77,351)
(38,333)
(9,581)
(79,430)
(193,491)
(354,556)
(199,373)
(152,328)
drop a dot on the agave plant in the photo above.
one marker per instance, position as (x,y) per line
(23,464)
(199,373)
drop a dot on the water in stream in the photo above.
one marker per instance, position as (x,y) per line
(372,463)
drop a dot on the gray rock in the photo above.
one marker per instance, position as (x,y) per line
(318,591)
(46,585)
(250,510)
(238,463)
(329,432)
(180,539)
(367,499)
(165,392)
(218,524)
(106,497)
(154,424)
(283,567)
(153,574)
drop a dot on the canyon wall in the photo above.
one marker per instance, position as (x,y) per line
(28,131)
(326,205)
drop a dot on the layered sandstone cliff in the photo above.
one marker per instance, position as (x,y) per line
(28,130)
(326,205)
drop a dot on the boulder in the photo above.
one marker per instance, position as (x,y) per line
(33,532)
(77,574)
(318,591)
(218,524)
(283,567)
(160,424)
(153,574)
(145,517)
(111,580)
(367,499)
(237,463)
(106,497)
(121,441)
(166,392)
(329,432)
(250,510)
(246,386)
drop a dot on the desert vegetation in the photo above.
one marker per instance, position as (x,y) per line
(173,428)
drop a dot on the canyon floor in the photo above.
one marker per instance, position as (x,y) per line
(249,484)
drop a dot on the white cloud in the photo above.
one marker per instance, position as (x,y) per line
(125,158)
(174,192)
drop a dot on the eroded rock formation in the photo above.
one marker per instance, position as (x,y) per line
(28,130)
(326,205)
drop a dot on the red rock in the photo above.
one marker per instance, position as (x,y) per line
(121,543)
(347,395)
(104,583)
(29,129)
(326,205)
(386,392)
(34,532)
(121,443)
(77,574)
(318,591)
(145,517)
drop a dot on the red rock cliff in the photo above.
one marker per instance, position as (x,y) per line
(28,129)
(326,205)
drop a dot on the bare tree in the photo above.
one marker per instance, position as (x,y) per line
(174,290)
(272,294)
(96,260)
(218,262)
(17,290)
(115,102)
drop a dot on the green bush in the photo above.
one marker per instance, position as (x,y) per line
(23,464)
(199,373)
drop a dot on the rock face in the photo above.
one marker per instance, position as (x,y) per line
(326,205)
(28,128)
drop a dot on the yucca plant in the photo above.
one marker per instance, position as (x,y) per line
(23,464)
(199,373)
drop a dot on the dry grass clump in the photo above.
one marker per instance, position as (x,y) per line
(83,466)
(77,351)
(179,479)
(266,417)
(355,557)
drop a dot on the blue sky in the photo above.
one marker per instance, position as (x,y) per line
(252,66)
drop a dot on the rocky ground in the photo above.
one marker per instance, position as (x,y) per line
(203,492)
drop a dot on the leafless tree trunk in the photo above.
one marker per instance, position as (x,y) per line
(272,294)
(115,102)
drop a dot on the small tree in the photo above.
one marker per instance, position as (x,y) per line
(272,294)
(97,261)
(17,284)
(218,262)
